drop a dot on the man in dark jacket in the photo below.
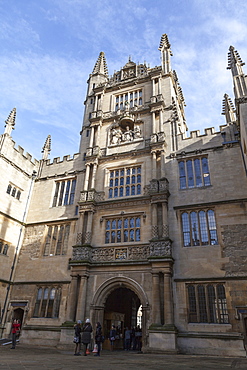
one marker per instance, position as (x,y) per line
(86,335)
(98,338)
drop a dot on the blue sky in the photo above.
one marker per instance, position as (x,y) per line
(49,48)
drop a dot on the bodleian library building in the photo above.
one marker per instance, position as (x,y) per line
(144,225)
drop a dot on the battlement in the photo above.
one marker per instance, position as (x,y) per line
(210,131)
(10,145)
(66,158)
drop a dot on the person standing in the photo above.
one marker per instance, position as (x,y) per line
(98,338)
(14,331)
(77,338)
(86,335)
(112,336)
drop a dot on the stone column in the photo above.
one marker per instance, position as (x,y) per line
(87,177)
(72,298)
(94,175)
(168,305)
(91,137)
(155,298)
(89,227)
(81,306)
(154,165)
(161,121)
(153,86)
(159,85)
(162,164)
(154,221)
(95,103)
(153,123)
(98,135)
(165,228)
(79,228)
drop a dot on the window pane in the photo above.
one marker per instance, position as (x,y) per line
(138,189)
(118,236)
(138,235)
(113,236)
(126,223)
(212,227)
(182,175)
(202,304)
(194,227)
(138,222)
(203,228)
(114,224)
(133,188)
(107,237)
(132,235)
(186,229)
(115,192)
(212,303)
(205,171)
(132,222)
(66,197)
(190,174)
(72,192)
(197,167)
(110,193)
(121,192)
(127,191)
(126,234)
(224,318)
(192,304)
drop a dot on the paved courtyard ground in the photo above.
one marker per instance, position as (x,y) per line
(33,357)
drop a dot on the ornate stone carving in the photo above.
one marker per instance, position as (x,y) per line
(153,139)
(121,254)
(81,253)
(161,136)
(120,135)
(160,249)
(138,253)
(103,254)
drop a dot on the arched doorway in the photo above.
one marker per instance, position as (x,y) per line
(121,308)
(118,301)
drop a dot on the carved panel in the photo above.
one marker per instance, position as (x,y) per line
(160,249)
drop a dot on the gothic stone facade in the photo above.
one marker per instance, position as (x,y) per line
(143,216)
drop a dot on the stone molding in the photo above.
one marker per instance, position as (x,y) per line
(157,249)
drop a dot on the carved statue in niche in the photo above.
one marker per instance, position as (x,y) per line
(120,134)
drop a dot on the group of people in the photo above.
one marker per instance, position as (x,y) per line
(132,337)
(83,336)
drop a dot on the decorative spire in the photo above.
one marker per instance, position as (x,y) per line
(235,62)
(165,53)
(164,43)
(101,66)
(10,122)
(228,109)
(46,148)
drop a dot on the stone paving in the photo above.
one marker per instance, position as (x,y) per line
(33,357)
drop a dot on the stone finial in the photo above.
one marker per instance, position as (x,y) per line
(10,122)
(101,66)
(164,43)
(46,148)
(228,109)
(235,62)
(165,53)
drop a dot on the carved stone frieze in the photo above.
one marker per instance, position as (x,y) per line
(103,255)
(160,248)
(130,253)
(81,253)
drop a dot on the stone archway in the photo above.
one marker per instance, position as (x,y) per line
(119,285)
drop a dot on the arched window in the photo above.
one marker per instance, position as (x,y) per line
(5,249)
(199,228)
(9,189)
